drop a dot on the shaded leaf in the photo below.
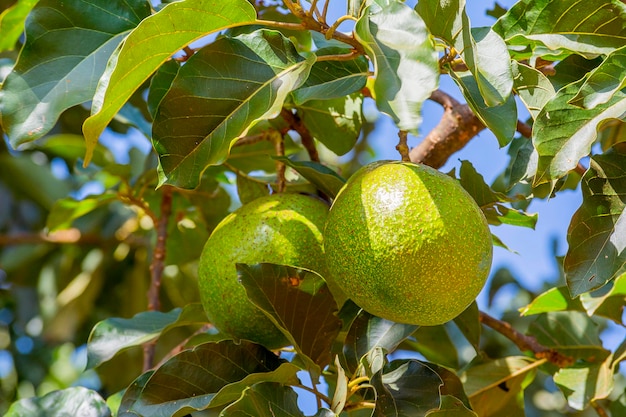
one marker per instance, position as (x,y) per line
(582,383)
(72,148)
(268,399)
(501,119)
(298,302)
(608,301)
(555,299)
(496,388)
(48,79)
(249,189)
(113,335)
(405,61)
(435,344)
(563,133)
(160,84)
(571,333)
(154,40)
(368,332)
(74,401)
(325,179)
(65,211)
(331,79)
(597,232)
(193,379)
(468,323)
(532,87)
(559,28)
(406,388)
(451,407)
(195,126)
(603,82)
(12,23)
(335,123)
(131,394)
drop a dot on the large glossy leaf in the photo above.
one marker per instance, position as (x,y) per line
(267,399)
(584,382)
(406,388)
(571,333)
(496,388)
(368,332)
(298,302)
(160,85)
(74,401)
(12,23)
(194,379)
(597,232)
(603,82)
(325,179)
(113,335)
(148,46)
(49,79)
(563,133)
(481,49)
(336,123)
(559,28)
(332,79)
(217,95)
(501,120)
(532,86)
(405,61)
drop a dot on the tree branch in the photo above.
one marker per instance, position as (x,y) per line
(402,147)
(455,129)
(524,342)
(307,139)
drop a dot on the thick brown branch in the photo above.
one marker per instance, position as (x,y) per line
(524,342)
(156,267)
(457,126)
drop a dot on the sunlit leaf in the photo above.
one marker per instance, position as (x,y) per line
(298,302)
(74,401)
(532,87)
(195,125)
(49,79)
(597,232)
(608,301)
(501,120)
(148,46)
(268,399)
(65,211)
(555,299)
(496,388)
(194,379)
(559,28)
(582,383)
(112,335)
(12,23)
(325,179)
(563,133)
(336,123)
(405,61)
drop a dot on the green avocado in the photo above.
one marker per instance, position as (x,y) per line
(407,243)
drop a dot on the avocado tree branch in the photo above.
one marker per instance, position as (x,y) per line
(296,124)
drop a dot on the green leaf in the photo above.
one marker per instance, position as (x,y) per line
(563,133)
(571,333)
(299,303)
(597,249)
(66,210)
(559,28)
(72,148)
(336,123)
(582,383)
(74,401)
(501,120)
(435,344)
(132,393)
(451,407)
(211,374)
(468,323)
(147,47)
(406,388)
(532,87)
(12,23)
(113,335)
(160,84)
(608,301)
(331,79)
(49,79)
(405,61)
(368,332)
(603,82)
(555,299)
(267,399)
(249,189)
(325,179)
(496,388)
(195,126)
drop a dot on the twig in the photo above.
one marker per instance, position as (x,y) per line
(279,146)
(456,128)
(599,409)
(524,342)
(315,392)
(156,267)
(524,129)
(402,146)
(307,139)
